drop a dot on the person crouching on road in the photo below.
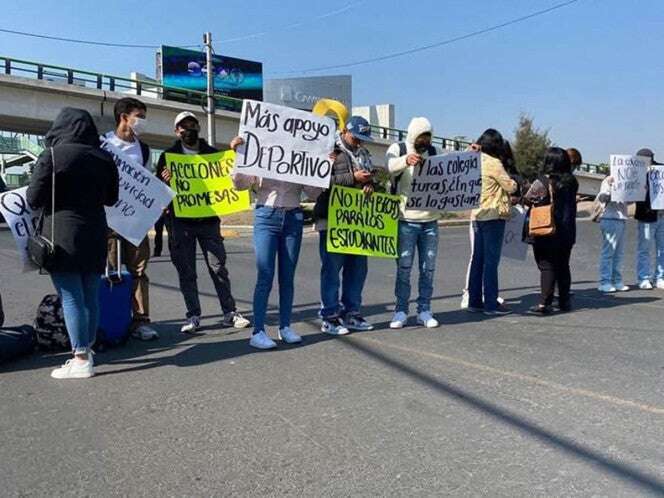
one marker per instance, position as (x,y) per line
(352,168)
(552,252)
(183,233)
(86,180)
(418,229)
(278,225)
(488,225)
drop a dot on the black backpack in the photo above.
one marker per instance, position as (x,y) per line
(394,182)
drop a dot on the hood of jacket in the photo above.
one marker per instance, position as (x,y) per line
(72,126)
(417,127)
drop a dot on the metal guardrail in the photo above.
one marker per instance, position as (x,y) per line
(598,169)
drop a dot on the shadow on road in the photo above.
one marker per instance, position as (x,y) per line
(625,472)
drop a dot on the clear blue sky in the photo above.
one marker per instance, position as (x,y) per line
(592,72)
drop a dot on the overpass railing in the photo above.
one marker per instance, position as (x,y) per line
(598,169)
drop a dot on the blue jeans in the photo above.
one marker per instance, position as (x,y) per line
(422,237)
(483,281)
(354,275)
(277,233)
(613,251)
(79,293)
(650,234)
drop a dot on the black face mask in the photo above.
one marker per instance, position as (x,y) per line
(189,137)
(421,148)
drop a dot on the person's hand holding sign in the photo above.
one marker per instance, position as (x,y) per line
(362,176)
(236,142)
(413,159)
(166,175)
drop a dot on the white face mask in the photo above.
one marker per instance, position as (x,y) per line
(138,126)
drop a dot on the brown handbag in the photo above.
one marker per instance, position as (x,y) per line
(542,222)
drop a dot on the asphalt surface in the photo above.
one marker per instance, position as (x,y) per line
(566,405)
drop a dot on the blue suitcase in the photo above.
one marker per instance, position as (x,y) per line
(114,306)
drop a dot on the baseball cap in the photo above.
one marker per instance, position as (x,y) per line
(649,154)
(184,115)
(359,128)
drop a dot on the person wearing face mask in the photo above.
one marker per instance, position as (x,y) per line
(352,168)
(418,229)
(130,123)
(183,233)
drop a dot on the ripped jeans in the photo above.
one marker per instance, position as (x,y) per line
(424,238)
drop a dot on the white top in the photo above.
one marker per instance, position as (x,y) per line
(613,210)
(132,149)
(275,193)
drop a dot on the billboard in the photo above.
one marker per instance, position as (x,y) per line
(237,78)
(303,93)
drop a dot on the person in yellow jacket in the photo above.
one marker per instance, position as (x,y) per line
(488,226)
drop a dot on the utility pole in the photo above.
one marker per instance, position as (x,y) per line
(207,40)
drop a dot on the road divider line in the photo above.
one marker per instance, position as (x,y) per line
(643,407)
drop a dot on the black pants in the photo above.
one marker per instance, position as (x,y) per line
(552,260)
(182,237)
(159,235)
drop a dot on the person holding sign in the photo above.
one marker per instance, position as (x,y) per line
(612,225)
(651,233)
(130,123)
(351,168)
(418,228)
(278,225)
(558,186)
(488,226)
(183,233)
(86,180)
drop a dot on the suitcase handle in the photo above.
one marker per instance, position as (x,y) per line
(116,278)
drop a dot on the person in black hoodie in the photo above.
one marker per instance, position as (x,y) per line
(552,253)
(86,180)
(184,232)
(651,233)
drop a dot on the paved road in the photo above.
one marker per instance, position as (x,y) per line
(569,405)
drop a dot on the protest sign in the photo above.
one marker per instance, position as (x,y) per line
(203,185)
(629,174)
(143,198)
(656,180)
(513,245)
(285,144)
(448,182)
(22,221)
(361,224)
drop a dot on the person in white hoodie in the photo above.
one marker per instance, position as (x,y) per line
(418,229)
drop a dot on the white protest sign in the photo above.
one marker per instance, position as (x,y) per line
(513,245)
(656,180)
(630,175)
(143,198)
(449,182)
(285,144)
(22,221)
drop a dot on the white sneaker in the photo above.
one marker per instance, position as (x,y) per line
(334,326)
(74,369)
(426,319)
(240,322)
(645,285)
(192,325)
(289,336)
(145,333)
(262,341)
(660,283)
(465,297)
(622,287)
(606,288)
(398,320)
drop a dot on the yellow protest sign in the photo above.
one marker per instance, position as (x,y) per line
(361,224)
(203,185)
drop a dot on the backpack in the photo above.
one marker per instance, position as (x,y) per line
(49,325)
(394,182)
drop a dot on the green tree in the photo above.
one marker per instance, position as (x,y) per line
(529,147)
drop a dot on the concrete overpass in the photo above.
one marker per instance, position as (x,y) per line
(29,105)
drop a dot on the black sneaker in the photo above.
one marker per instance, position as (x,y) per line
(541,309)
(499,311)
(356,322)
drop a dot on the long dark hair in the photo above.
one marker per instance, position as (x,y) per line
(492,143)
(508,159)
(557,162)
